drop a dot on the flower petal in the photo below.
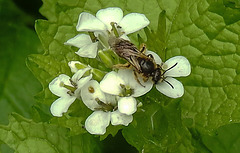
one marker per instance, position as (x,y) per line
(133,22)
(111,83)
(124,36)
(110,14)
(81,83)
(90,92)
(127,105)
(61,105)
(79,40)
(88,22)
(111,99)
(89,51)
(129,78)
(56,85)
(73,67)
(157,59)
(166,89)
(118,118)
(183,67)
(78,75)
(97,122)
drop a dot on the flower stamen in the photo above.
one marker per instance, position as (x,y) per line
(70,88)
(104,107)
(114,29)
(73,83)
(126,91)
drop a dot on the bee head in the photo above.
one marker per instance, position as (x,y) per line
(157,75)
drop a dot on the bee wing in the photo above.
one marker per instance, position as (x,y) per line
(134,62)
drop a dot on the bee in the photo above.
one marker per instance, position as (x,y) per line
(143,64)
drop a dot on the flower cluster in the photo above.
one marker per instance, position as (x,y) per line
(108,22)
(113,99)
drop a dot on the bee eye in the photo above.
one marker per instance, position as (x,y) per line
(157,75)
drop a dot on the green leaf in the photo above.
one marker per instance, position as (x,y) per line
(159,128)
(235,4)
(207,34)
(74,119)
(210,98)
(229,14)
(111,130)
(24,135)
(18,85)
(40,113)
(156,41)
(48,9)
(225,139)
(46,71)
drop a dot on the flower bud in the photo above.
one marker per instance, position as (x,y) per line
(97,74)
(76,65)
(106,58)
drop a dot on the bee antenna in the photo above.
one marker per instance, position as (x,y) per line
(168,83)
(170,68)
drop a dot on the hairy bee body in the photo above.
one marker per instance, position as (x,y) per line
(142,63)
(123,48)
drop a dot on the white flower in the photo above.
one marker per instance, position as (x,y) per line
(88,48)
(124,84)
(127,105)
(104,107)
(109,21)
(115,83)
(177,66)
(68,89)
(102,22)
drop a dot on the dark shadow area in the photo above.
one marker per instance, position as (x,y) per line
(117,144)
(30,7)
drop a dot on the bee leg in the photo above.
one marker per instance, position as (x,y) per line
(145,79)
(143,48)
(136,78)
(122,66)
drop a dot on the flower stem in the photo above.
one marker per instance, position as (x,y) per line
(92,36)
